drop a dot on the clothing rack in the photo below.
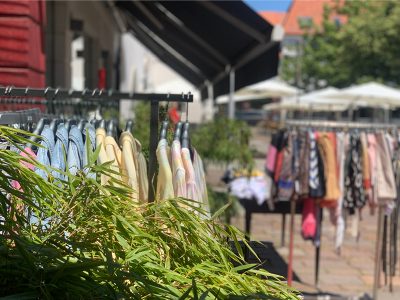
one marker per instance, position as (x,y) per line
(61,102)
(322,124)
(52,94)
(338,124)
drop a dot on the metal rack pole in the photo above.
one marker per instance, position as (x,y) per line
(53,94)
(337,124)
(378,253)
(291,241)
(153,148)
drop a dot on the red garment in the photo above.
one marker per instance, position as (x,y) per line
(309,219)
(174,115)
(102,79)
(278,165)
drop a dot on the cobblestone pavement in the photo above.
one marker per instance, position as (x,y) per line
(349,274)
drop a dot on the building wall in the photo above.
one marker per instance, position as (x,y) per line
(101,34)
(138,69)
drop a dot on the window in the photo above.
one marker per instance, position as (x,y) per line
(305,22)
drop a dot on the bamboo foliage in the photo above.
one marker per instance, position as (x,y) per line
(77,239)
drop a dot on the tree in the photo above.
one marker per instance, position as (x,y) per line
(366,47)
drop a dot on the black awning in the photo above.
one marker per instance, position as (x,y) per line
(202,40)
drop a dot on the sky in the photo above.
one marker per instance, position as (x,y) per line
(274,5)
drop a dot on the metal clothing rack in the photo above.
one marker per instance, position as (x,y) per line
(53,94)
(322,124)
(339,124)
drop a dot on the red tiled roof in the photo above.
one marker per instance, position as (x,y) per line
(273,17)
(313,9)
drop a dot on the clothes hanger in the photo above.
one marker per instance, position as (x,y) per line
(54,124)
(70,123)
(81,124)
(39,127)
(178,131)
(110,128)
(129,126)
(165,123)
(102,124)
(185,134)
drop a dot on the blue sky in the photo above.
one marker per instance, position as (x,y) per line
(274,5)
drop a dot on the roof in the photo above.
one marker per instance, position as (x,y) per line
(203,40)
(306,10)
(273,17)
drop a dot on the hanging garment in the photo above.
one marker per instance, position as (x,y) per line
(89,135)
(304,164)
(75,150)
(271,158)
(100,143)
(365,163)
(127,143)
(309,220)
(279,156)
(372,148)
(354,196)
(165,188)
(102,158)
(178,170)
(46,152)
(27,153)
(286,179)
(386,186)
(342,145)
(191,186)
(316,175)
(114,155)
(295,161)
(327,145)
(201,180)
(142,173)
(58,161)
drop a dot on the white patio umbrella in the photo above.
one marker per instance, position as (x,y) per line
(291,105)
(240,98)
(314,101)
(271,88)
(371,94)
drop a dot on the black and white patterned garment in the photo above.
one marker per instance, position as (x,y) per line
(354,196)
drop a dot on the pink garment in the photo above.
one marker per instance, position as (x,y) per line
(271,159)
(28,153)
(309,220)
(191,186)
(178,170)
